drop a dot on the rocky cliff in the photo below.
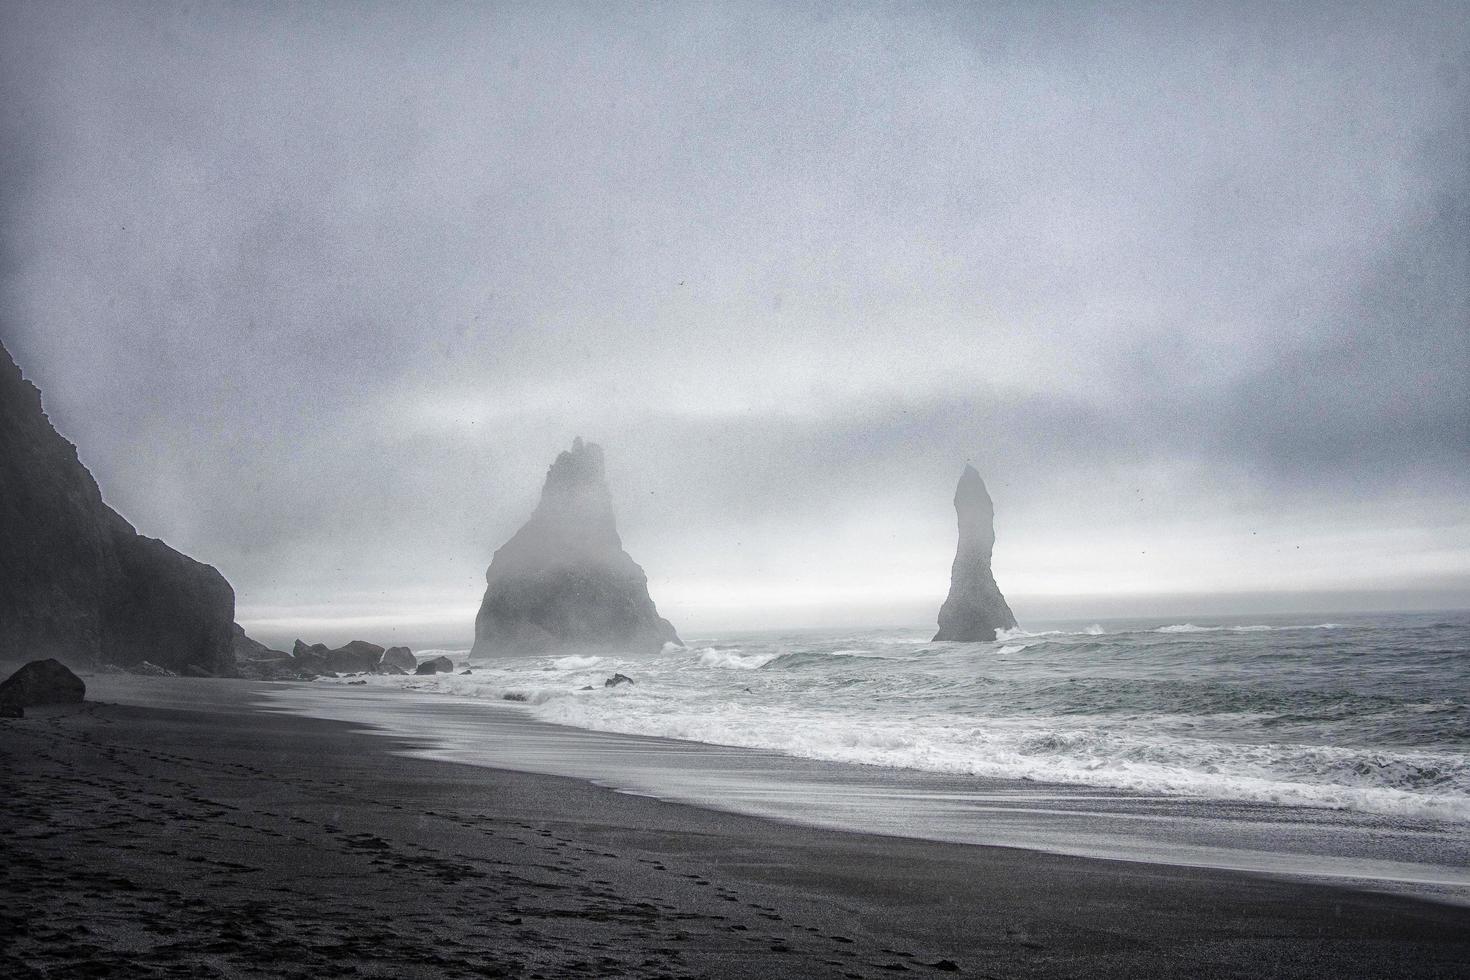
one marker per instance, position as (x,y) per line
(975,608)
(563,580)
(77,582)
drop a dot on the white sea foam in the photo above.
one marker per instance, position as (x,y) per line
(576,663)
(1082,707)
(1378,782)
(732,658)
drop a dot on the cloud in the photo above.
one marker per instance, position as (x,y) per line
(319,291)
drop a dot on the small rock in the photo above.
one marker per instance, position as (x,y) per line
(9,709)
(617,679)
(145,669)
(946,966)
(439,665)
(352,683)
(465,673)
(42,682)
(515,696)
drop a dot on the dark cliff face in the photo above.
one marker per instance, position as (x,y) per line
(975,608)
(563,580)
(77,582)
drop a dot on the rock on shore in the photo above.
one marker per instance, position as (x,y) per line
(563,580)
(975,608)
(42,682)
(77,581)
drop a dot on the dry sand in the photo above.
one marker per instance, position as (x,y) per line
(201,836)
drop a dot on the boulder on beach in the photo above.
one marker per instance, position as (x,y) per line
(42,682)
(975,609)
(400,657)
(437,665)
(354,657)
(563,580)
(617,679)
(77,581)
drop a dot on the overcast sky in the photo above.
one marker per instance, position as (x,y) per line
(320,290)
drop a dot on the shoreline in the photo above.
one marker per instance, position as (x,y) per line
(1323,845)
(206,835)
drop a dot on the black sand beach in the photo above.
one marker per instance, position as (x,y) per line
(207,837)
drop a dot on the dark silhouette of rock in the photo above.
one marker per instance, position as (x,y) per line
(438,665)
(563,580)
(42,682)
(247,649)
(617,679)
(354,657)
(76,580)
(975,608)
(301,651)
(400,657)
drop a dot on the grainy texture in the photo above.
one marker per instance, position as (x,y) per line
(975,608)
(211,838)
(77,582)
(563,581)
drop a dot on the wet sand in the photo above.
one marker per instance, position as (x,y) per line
(199,835)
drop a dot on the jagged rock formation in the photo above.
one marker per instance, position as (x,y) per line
(77,582)
(351,658)
(563,580)
(975,608)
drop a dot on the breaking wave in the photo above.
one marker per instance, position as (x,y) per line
(1372,715)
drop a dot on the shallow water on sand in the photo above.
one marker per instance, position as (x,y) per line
(1427,858)
(1364,713)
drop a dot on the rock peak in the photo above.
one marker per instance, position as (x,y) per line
(563,580)
(975,608)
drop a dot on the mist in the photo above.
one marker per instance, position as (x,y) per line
(320,292)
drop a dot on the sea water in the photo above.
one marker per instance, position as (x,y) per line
(1342,742)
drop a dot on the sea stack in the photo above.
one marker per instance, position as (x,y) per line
(975,608)
(563,581)
(77,582)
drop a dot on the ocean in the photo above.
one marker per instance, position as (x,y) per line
(1336,745)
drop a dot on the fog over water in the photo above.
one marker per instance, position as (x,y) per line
(320,292)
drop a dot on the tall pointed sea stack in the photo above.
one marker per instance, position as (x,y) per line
(563,581)
(975,608)
(77,582)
